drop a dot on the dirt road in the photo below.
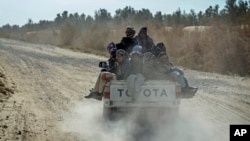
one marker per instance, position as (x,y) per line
(48,104)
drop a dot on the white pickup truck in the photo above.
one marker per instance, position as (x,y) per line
(161,95)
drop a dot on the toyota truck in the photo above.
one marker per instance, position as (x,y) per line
(160,97)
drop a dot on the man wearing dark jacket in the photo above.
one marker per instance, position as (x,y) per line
(127,43)
(144,40)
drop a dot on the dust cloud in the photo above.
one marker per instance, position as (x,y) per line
(85,120)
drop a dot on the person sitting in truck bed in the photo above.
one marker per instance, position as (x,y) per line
(135,78)
(136,60)
(128,42)
(160,68)
(112,59)
(122,72)
(176,73)
(151,70)
(123,65)
(144,40)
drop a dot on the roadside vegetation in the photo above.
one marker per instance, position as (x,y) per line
(214,40)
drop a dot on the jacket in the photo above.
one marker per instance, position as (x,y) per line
(147,43)
(127,44)
(123,70)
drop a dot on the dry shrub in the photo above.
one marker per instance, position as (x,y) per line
(68,33)
(116,35)
(42,36)
(245,36)
(31,37)
(4,34)
(218,49)
(49,37)
(12,35)
(92,41)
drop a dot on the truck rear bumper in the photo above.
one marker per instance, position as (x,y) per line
(151,114)
(137,104)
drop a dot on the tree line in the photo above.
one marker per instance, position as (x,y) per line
(234,13)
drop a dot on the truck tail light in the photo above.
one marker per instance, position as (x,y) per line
(106,95)
(104,76)
(107,76)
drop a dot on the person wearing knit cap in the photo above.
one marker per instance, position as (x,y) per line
(127,43)
(144,29)
(144,40)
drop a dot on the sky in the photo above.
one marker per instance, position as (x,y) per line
(17,12)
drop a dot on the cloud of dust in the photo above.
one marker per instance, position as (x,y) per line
(86,120)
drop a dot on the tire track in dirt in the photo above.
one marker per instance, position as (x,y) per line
(218,103)
(50,80)
(24,119)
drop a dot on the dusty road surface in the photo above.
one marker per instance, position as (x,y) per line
(48,105)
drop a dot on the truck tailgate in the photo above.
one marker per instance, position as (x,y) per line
(152,94)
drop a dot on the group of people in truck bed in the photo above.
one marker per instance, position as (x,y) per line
(139,56)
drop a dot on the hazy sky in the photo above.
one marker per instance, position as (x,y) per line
(19,11)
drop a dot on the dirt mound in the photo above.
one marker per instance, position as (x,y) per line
(6,86)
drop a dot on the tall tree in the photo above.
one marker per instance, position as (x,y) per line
(89,22)
(65,15)
(125,15)
(143,16)
(216,10)
(58,20)
(177,17)
(193,18)
(231,9)
(158,18)
(102,16)
(242,12)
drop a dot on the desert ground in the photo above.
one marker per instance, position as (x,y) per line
(43,89)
